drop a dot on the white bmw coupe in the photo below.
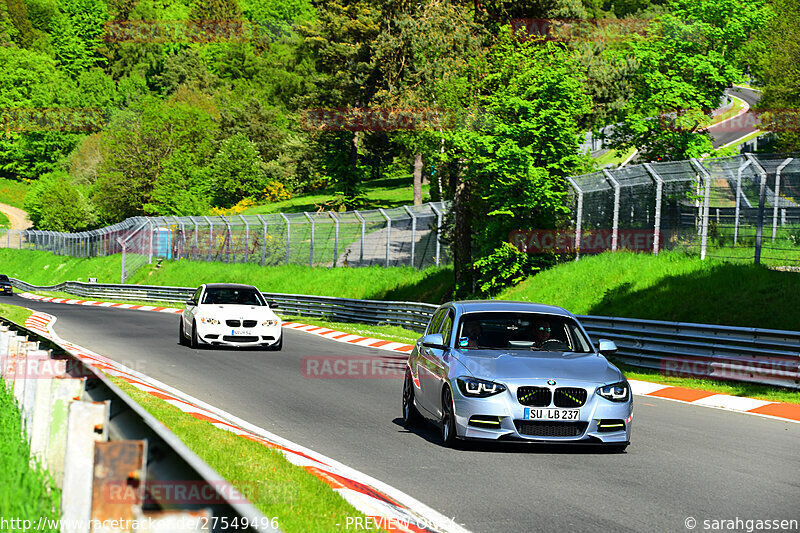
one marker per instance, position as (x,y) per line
(231,315)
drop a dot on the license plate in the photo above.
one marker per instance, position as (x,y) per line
(241,332)
(552,414)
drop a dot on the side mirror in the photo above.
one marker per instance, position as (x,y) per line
(607,347)
(434,340)
(273,304)
(191,302)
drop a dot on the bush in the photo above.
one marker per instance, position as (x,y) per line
(505,267)
(54,203)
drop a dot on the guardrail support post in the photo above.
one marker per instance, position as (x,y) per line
(335,237)
(210,236)
(363,232)
(388,235)
(438,232)
(85,419)
(413,232)
(777,197)
(229,240)
(615,223)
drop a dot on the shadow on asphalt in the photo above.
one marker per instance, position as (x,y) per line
(430,433)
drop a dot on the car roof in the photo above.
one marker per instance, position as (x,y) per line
(228,286)
(470,306)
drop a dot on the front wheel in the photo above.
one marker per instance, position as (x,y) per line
(194,342)
(278,346)
(411,416)
(181,334)
(449,436)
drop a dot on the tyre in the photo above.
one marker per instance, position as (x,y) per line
(278,345)
(411,417)
(449,435)
(181,334)
(194,343)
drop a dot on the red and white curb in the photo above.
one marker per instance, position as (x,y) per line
(96,303)
(385,507)
(784,411)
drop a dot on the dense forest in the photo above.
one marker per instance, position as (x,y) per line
(117,108)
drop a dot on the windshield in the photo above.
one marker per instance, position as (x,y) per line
(3,277)
(520,331)
(236,296)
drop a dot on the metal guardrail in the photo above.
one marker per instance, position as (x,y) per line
(770,357)
(167,461)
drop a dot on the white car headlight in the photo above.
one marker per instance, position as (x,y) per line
(209,320)
(270,323)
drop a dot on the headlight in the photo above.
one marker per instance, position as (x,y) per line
(270,323)
(616,392)
(209,320)
(479,388)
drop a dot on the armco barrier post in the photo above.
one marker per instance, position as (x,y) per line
(63,392)
(659,193)
(85,419)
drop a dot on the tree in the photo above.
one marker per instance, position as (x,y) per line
(521,146)
(77,34)
(141,144)
(54,203)
(776,52)
(238,171)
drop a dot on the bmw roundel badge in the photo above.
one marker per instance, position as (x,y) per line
(551,382)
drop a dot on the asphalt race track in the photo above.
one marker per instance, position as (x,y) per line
(684,461)
(732,130)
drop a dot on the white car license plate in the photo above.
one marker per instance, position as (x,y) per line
(241,332)
(552,414)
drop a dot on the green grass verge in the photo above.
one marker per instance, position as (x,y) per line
(385,193)
(737,106)
(15,313)
(377,283)
(44,268)
(26,492)
(13,192)
(4,222)
(669,286)
(613,157)
(299,500)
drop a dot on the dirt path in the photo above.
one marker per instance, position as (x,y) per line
(17,217)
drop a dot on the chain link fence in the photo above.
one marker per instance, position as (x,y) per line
(739,208)
(404,236)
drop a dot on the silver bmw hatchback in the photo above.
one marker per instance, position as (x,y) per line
(518,371)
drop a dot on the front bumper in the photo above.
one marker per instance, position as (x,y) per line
(222,335)
(7,290)
(600,420)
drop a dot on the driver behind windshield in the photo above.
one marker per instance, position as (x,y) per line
(542,329)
